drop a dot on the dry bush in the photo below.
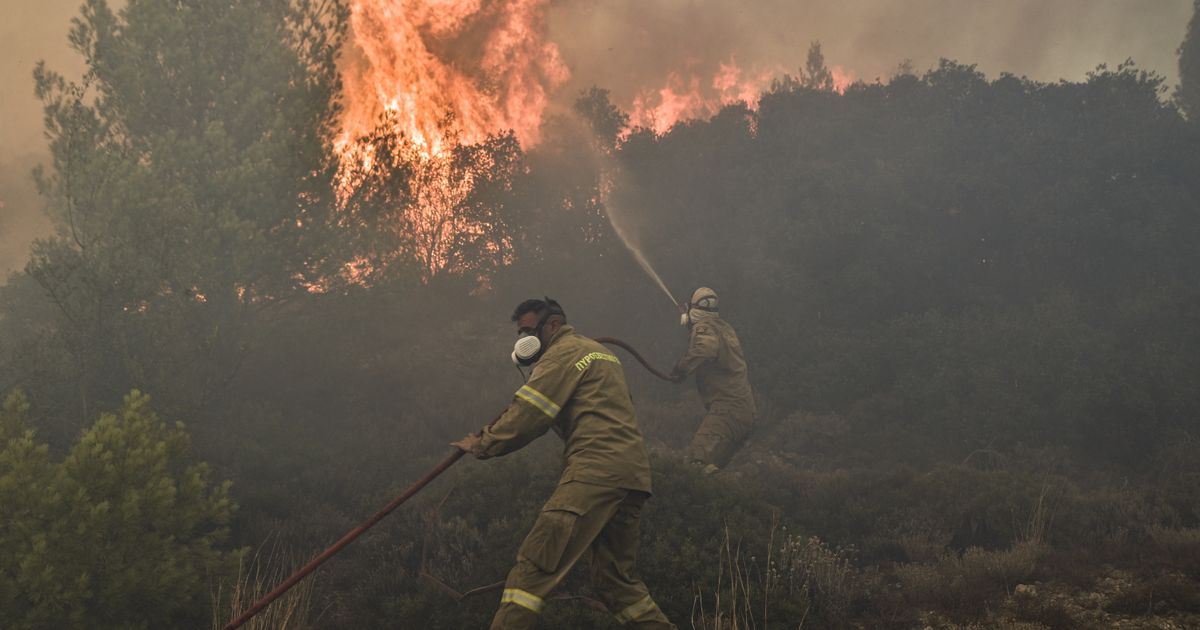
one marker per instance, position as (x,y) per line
(1179,549)
(965,584)
(822,577)
(1175,539)
(1009,567)
(915,534)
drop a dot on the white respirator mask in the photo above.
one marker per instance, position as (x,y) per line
(526,350)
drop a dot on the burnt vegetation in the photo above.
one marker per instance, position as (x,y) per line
(971,308)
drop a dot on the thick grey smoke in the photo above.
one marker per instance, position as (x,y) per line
(630,46)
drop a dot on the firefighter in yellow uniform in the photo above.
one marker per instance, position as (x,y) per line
(714,355)
(577,388)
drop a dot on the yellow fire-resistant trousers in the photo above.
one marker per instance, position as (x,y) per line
(720,435)
(580,517)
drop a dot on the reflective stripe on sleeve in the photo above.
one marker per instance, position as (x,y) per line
(643,606)
(524,599)
(539,400)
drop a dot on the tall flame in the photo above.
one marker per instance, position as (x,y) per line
(484,67)
(488,66)
(441,75)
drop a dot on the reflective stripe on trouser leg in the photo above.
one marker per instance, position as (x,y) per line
(537,573)
(641,607)
(524,599)
(614,569)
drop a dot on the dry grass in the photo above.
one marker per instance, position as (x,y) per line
(802,575)
(732,598)
(292,611)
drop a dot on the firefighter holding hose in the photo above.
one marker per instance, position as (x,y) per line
(577,388)
(714,355)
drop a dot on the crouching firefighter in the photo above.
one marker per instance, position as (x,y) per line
(714,354)
(578,389)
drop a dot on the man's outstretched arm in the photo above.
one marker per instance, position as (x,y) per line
(531,413)
(702,346)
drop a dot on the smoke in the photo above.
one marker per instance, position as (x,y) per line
(29,31)
(21,215)
(629,46)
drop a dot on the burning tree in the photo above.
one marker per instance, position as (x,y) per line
(439,98)
(431,211)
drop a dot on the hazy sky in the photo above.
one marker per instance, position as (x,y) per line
(29,30)
(627,45)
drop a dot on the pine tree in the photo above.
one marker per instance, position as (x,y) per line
(122,533)
(191,184)
(816,75)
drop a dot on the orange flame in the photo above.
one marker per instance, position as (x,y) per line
(449,74)
(690,96)
(686,97)
(484,67)
(842,79)
(487,66)
(440,74)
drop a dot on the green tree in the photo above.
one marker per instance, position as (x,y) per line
(1188,93)
(122,533)
(191,183)
(815,74)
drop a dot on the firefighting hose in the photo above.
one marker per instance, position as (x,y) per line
(613,341)
(416,487)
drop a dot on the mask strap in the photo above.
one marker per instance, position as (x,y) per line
(550,312)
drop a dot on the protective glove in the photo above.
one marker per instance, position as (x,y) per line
(469,444)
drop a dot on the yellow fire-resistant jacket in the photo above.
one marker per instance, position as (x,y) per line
(715,355)
(578,389)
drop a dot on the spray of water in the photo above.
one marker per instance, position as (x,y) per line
(608,179)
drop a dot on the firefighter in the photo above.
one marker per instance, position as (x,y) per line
(715,356)
(577,388)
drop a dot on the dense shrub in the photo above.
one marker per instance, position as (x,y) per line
(123,532)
